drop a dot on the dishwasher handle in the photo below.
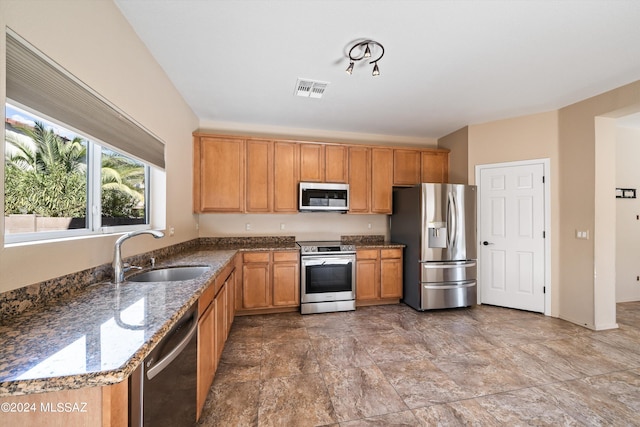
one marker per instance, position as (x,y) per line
(161,364)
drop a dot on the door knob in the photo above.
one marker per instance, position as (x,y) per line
(486,243)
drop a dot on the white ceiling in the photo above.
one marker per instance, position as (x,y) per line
(447,63)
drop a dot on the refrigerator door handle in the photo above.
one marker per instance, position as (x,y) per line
(452,214)
(441,265)
(449,285)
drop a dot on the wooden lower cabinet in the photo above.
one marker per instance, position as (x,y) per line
(378,276)
(256,280)
(90,406)
(270,282)
(206,355)
(286,279)
(215,308)
(391,273)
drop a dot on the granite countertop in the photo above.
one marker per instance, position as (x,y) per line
(378,245)
(99,335)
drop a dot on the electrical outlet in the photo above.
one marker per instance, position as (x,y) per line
(247,226)
(172,231)
(282,226)
(582,234)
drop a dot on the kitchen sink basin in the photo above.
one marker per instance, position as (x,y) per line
(170,274)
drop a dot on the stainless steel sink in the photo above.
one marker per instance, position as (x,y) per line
(170,274)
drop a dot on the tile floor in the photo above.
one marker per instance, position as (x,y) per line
(393,366)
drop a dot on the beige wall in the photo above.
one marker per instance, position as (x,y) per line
(587,170)
(523,138)
(458,144)
(93,41)
(264,131)
(304,226)
(580,142)
(627,225)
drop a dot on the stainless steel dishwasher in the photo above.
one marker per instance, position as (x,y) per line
(162,391)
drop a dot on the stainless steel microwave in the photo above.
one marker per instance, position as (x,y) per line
(323,197)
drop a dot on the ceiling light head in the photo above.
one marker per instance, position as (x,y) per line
(350,68)
(360,55)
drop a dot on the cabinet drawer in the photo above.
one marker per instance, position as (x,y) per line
(367,254)
(205,299)
(285,256)
(391,253)
(448,271)
(256,257)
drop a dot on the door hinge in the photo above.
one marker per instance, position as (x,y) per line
(544,234)
(544,289)
(543,179)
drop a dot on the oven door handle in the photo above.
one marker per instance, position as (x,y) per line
(327,261)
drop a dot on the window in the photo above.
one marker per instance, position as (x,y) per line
(74,163)
(59,183)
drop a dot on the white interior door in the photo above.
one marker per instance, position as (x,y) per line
(512,240)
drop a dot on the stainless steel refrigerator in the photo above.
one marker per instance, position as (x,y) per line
(437,223)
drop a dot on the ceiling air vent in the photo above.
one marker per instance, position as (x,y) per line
(310,88)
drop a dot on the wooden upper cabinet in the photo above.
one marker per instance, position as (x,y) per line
(218,184)
(359,179)
(285,176)
(406,167)
(259,176)
(336,163)
(323,163)
(435,166)
(311,162)
(381,180)
(252,175)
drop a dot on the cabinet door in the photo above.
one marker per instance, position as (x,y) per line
(406,167)
(286,279)
(359,179)
(367,279)
(220,169)
(220,302)
(367,274)
(311,162)
(391,278)
(256,285)
(381,180)
(335,163)
(259,176)
(230,284)
(238,278)
(206,355)
(435,166)
(285,191)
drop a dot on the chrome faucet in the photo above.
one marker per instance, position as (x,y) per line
(119,268)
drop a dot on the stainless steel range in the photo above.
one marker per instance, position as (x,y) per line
(328,277)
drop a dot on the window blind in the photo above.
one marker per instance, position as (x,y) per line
(37,82)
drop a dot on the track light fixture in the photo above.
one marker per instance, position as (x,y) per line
(359,55)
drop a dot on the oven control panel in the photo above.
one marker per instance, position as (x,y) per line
(322,247)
